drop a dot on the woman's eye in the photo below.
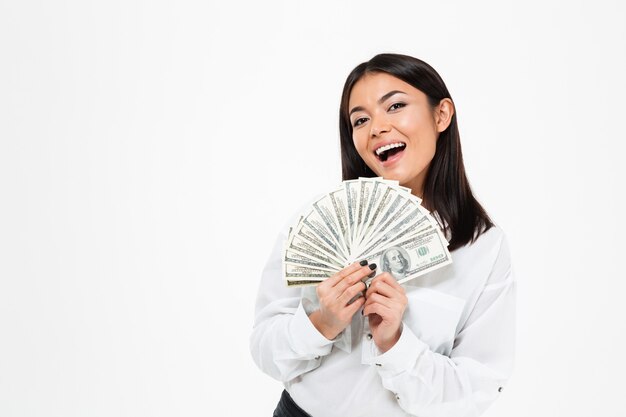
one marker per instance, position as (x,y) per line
(360,121)
(396,106)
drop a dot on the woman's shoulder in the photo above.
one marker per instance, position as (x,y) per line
(493,248)
(493,236)
(489,246)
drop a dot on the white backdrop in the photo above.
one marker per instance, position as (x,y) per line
(150,152)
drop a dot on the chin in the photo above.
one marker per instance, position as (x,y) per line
(401,178)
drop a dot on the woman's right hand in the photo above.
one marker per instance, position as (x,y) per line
(334,294)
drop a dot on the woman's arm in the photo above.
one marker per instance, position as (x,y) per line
(469,380)
(286,342)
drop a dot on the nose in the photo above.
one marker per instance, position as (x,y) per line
(379,126)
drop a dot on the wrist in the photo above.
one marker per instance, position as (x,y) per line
(327,331)
(387,344)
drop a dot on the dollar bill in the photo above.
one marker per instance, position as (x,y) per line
(305,242)
(326,210)
(411,258)
(409,213)
(302,283)
(365,189)
(396,213)
(372,195)
(367,218)
(297,258)
(338,202)
(382,200)
(415,222)
(351,197)
(299,273)
(315,223)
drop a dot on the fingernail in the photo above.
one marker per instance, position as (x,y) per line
(372,275)
(363,262)
(372,266)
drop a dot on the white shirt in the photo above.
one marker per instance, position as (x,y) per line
(452,359)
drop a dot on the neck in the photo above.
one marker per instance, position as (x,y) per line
(417,187)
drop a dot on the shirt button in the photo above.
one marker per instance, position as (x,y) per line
(397,397)
(500,389)
(369,336)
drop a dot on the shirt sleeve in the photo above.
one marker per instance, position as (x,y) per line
(467,381)
(284,343)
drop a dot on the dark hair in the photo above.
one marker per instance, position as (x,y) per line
(446,189)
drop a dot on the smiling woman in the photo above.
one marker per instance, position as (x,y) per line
(400,102)
(396,134)
(440,345)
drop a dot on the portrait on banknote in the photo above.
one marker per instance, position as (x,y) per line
(395,260)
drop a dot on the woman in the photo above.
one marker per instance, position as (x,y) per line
(438,345)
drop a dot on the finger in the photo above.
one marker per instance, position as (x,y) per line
(385,280)
(355,306)
(350,292)
(339,276)
(389,279)
(376,308)
(383,288)
(329,283)
(354,277)
(380,299)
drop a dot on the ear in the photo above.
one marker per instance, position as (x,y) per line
(443,114)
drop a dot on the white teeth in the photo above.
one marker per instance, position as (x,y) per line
(387,147)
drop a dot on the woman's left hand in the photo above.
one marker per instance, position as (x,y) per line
(385,302)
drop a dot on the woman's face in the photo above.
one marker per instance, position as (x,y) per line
(395,129)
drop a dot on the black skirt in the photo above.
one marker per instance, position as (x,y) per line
(288,408)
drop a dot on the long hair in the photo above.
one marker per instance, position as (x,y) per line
(446,189)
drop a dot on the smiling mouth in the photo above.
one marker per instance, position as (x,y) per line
(386,151)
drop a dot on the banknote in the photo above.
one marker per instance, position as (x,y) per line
(410,258)
(302,283)
(381,204)
(316,224)
(305,242)
(399,207)
(297,258)
(411,224)
(337,199)
(327,215)
(351,200)
(408,215)
(367,218)
(299,273)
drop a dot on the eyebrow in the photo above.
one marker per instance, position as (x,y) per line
(380,100)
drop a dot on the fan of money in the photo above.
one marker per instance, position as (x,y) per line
(368,218)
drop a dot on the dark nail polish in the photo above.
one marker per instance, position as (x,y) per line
(363,262)
(372,266)
(372,275)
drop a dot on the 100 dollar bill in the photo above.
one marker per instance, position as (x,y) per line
(415,256)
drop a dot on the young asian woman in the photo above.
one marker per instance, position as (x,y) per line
(438,345)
